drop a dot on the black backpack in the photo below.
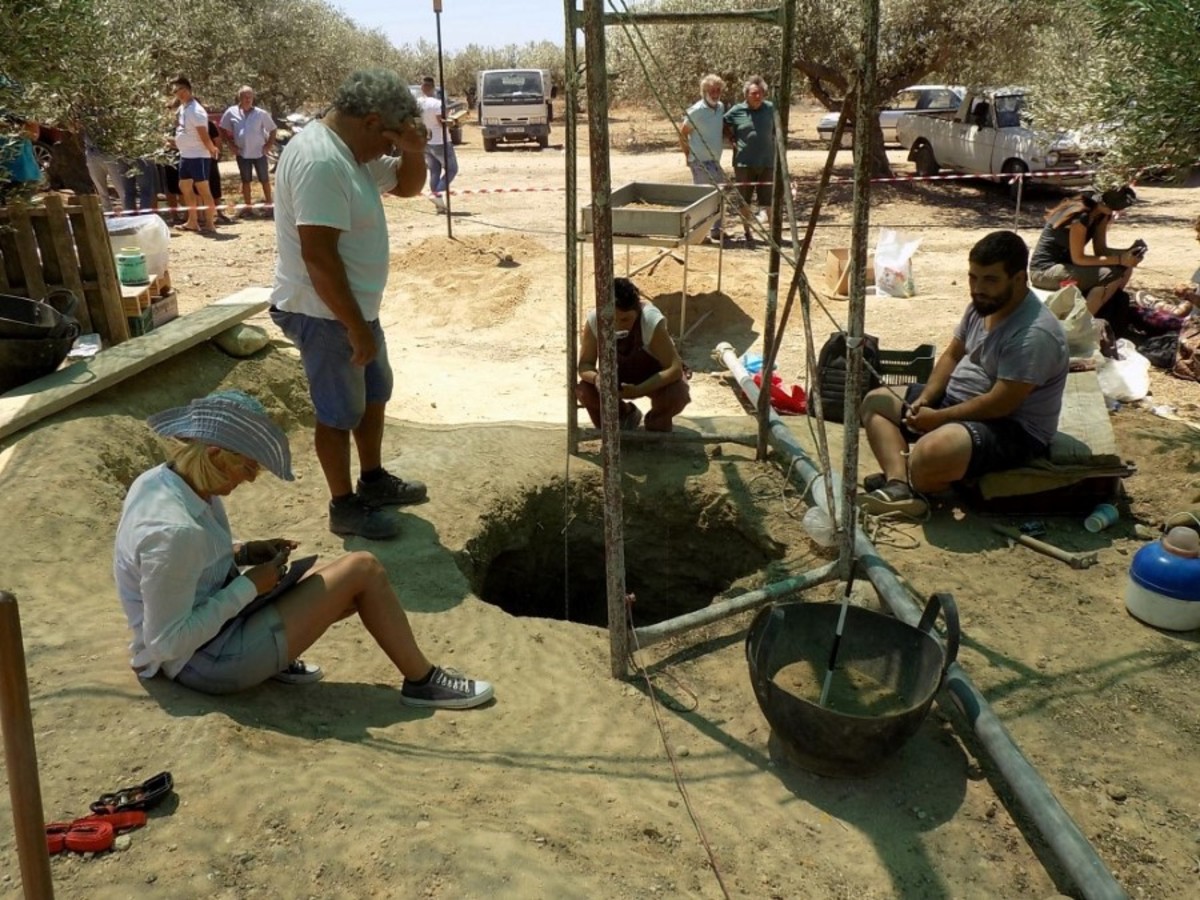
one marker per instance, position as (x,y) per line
(831,373)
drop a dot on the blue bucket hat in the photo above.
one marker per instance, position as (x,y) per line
(231,420)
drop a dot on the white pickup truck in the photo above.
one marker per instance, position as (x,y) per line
(986,135)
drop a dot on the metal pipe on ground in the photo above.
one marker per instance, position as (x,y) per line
(1066,842)
(660,631)
(20,757)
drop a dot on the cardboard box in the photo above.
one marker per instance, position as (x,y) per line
(837,272)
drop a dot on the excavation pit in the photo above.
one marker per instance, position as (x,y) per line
(683,547)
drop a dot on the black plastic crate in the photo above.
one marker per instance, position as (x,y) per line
(906,366)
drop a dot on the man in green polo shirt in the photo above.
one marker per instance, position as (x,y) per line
(750,127)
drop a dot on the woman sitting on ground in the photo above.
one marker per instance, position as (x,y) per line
(648,364)
(1062,255)
(188,589)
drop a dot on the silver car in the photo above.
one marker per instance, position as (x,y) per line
(918,98)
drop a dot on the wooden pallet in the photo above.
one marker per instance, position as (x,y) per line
(53,245)
(136,298)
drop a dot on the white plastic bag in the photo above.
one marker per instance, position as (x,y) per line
(893,264)
(1126,379)
(1070,307)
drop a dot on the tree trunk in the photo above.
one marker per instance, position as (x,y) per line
(68,166)
(880,167)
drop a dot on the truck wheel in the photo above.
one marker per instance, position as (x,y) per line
(925,161)
(489,144)
(543,142)
(1016,167)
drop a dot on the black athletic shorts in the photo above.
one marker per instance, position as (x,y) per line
(996,444)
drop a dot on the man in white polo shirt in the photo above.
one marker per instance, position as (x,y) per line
(439,151)
(252,131)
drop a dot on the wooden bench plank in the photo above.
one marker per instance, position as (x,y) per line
(1085,434)
(64,245)
(31,402)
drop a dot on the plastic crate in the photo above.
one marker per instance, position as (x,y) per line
(906,366)
(141,324)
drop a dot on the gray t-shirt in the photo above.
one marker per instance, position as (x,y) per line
(1030,347)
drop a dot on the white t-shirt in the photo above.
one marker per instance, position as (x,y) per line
(318,182)
(651,316)
(191,116)
(251,130)
(431,110)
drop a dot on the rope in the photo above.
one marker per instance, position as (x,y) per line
(662,731)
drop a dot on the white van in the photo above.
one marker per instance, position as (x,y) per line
(514,106)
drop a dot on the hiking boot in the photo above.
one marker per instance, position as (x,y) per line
(632,419)
(446,689)
(874,482)
(894,497)
(353,516)
(299,672)
(390,490)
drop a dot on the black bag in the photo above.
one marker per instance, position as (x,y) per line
(831,374)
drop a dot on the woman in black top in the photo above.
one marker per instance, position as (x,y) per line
(1062,250)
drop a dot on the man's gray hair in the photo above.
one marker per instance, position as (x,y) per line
(708,80)
(758,82)
(378,91)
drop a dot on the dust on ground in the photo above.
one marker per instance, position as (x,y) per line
(563,787)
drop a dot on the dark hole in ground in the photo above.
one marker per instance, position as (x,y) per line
(682,549)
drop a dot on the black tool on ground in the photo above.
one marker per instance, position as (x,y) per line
(898,669)
(146,795)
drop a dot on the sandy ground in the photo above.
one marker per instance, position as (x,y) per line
(563,787)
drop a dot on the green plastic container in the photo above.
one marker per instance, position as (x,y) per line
(131,266)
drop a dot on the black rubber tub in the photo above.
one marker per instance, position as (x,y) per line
(35,336)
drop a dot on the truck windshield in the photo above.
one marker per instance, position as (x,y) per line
(1010,111)
(512,84)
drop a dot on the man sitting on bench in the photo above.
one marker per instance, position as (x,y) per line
(992,401)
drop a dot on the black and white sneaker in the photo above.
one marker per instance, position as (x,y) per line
(894,497)
(446,689)
(874,482)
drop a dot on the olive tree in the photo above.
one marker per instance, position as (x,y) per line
(1137,75)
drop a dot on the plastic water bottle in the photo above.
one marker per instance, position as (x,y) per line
(819,527)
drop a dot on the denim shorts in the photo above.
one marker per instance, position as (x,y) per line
(996,444)
(251,168)
(340,390)
(194,169)
(246,652)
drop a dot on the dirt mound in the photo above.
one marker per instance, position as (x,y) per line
(475,252)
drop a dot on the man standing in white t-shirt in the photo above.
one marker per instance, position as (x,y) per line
(439,151)
(252,131)
(330,274)
(197,153)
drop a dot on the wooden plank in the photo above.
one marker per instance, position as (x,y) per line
(96,263)
(47,250)
(31,402)
(64,245)
(27,252)
(1085,434)
(10,266)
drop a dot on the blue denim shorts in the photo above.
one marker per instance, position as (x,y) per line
(340,390)
(250,168)
(246,652)
(194,169)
